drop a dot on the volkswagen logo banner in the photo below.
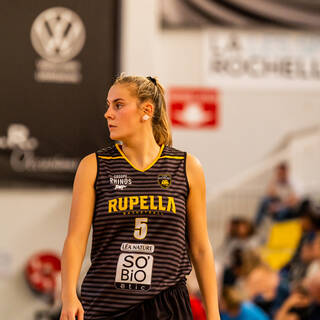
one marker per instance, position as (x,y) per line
(58,60)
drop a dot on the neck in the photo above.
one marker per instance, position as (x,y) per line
(142,150)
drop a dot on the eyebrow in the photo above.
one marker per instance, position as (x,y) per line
(115,100)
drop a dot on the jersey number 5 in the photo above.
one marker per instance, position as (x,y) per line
(140,228)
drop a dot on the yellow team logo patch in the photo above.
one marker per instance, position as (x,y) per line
(164,180)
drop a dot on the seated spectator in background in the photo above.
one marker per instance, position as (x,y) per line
(312,284)
(233,269)
(232,307)
(281,199)
(295,306)
(241,263)
(306,251)
(304,301)
(266,289)
(313,256)
(240,235)
(308,262)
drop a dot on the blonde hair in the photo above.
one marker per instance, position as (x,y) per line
(151,90)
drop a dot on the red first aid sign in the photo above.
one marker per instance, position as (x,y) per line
(193,107)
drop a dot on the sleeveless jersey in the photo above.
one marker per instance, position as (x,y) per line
(140,240)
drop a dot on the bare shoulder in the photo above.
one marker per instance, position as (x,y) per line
(194,169)
(193,161)
(88,160)
(87,168)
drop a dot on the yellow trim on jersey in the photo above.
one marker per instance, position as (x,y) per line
(104,157)
(172,157)
(149,166)
(121,157)
(158,157)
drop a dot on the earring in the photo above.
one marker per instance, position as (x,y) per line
(145,117)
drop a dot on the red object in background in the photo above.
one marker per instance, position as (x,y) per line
(193,107)
(198,311)
(41,270)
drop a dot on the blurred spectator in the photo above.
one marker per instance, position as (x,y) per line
(304,302)
(313,286)
(232,307)
(313,256)
(281,199)
(267,289)
(241,263)
(240,236)
(310,223)
(197,308)
(296,306)
(308,260)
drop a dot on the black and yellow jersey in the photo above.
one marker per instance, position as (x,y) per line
(140,239)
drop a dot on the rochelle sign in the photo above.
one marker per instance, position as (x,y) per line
(261,57)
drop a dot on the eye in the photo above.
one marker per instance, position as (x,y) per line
(118,105)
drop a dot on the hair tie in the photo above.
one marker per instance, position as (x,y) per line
(152,80)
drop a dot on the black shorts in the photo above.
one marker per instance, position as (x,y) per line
(172,303)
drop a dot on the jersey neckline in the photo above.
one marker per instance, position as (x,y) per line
(133,166)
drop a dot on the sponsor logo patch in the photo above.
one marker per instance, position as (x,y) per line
(164,180)
(120,181)
(134,271)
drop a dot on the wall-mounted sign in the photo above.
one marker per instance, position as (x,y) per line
(59,58)
(266,58)
(193,107)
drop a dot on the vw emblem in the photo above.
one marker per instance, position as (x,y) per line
(58,34)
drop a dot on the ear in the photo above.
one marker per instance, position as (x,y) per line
(148,108)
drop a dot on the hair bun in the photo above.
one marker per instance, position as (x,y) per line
(152,80)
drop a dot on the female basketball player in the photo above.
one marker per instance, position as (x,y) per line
(146,203)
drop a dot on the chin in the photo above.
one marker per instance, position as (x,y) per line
(115,137)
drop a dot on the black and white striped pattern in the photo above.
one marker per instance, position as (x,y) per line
(167,231)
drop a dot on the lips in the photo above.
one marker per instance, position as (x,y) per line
(111,126)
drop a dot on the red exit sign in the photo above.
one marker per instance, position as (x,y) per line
(193,107)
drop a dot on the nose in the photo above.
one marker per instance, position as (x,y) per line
(108,114)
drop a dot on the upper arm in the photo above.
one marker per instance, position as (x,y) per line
(83,199)
(196,206)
